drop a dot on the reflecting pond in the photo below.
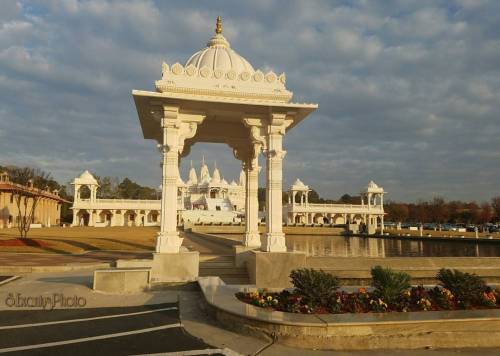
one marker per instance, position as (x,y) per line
(353,246)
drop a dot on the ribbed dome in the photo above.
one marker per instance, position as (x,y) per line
(219,55)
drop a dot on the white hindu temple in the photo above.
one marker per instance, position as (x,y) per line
(202,198)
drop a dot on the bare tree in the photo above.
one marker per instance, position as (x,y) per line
(27,194)
(495,204)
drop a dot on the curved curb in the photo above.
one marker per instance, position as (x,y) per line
(443,329)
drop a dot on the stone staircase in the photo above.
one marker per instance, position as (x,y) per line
(223,266)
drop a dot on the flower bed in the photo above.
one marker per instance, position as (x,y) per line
(313,297)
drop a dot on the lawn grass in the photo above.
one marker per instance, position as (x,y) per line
(82,239)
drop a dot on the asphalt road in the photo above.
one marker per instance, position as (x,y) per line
(137,330)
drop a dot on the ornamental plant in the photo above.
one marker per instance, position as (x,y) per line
(389,284)
(317,287)
(467,288)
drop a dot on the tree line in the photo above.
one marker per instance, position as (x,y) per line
(441,211)
(436,210)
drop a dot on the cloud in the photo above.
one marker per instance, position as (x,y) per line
(408,91)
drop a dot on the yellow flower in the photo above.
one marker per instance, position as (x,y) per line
(269,298)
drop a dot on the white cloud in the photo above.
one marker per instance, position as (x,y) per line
(408,90)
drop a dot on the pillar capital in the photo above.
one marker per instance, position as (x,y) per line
(278,123)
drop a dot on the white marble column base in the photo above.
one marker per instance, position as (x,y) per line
(168,242)
(252,239)
(274,242)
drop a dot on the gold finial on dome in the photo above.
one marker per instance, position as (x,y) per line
(218,26)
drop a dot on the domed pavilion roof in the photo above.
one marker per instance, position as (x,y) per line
(85,178)
(372,187)
(218,70)
(299,185)
(219,56)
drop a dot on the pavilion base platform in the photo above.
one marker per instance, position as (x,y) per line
(122,280)
(272,269)
(242,254)
(175,267)
(129,276)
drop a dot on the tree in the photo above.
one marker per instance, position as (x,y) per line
(128,189)
(439,210)
(486,213)
(495,204)
(397,212)
(108,187)
(27,192)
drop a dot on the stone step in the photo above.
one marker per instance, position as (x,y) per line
(216,265)
(219,273)
(232,280)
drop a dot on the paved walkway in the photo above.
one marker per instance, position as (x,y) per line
(111,331)
(207,249)
(195,319)
(46,259)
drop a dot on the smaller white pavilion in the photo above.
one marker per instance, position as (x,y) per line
(88,210)
(370,212)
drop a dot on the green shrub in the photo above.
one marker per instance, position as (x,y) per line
(467,288)
(318,287)
(389,284)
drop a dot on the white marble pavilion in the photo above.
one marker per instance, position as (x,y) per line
(217,96)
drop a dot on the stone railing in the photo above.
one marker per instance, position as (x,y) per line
(335,208)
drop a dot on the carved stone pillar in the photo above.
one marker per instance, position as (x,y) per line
(176,129)
(251,166)
(75,218)
(168,238)
(91,218)
(275,239)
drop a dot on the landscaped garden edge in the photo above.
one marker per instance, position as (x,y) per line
(444,329)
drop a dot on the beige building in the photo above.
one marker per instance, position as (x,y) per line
(47,211)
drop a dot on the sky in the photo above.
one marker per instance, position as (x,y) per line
(408,91)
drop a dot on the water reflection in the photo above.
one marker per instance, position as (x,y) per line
(339,246)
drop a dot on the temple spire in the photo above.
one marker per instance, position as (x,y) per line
(218,26)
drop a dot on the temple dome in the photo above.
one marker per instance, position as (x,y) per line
(372,187)
(86,178)
(218,55)
(299,185)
